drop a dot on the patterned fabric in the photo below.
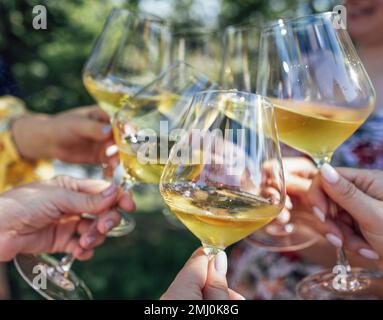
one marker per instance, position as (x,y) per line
(365,148)
(15,171)
(259,274)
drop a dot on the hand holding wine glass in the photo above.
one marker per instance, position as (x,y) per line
(206,280)
(359,196)
(45,217)
(81,135)
(322,94)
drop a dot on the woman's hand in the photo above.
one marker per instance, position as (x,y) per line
(46,216)
(81,135)
(201,279)
(359,221)
(298,172)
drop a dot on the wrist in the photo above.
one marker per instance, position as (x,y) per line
(32,136)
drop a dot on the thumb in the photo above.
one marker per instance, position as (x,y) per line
(75,202)
(190,280)
(347,195)
(216,287)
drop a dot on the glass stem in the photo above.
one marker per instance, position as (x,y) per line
(65,264)
(126,183)
(211,251)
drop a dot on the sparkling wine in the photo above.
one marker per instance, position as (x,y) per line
(218,217)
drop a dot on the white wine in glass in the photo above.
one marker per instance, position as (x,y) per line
(224,179)
(317,129)
(152,113)
(132,49)
(322,94)
(216,216)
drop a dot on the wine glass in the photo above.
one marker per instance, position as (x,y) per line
(310,70)
(141,128)
(240,52)
(133,48)
(239,71)
(202,49)
(224,177)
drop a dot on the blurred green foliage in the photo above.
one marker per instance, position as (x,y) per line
(47,65)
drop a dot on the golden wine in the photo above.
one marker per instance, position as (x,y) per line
(109,94)
(218,217)
(315,129)
(144,112)
(137,171)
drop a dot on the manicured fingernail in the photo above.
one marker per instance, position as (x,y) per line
(111,150)
(220,263)
(288,204)
(109,225)
(89,240)
(329,173)
(284,216)
(319,214)
(109,191)
(107,129)
(369,254)
(334,240)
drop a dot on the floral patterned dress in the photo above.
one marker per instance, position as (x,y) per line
(260,274)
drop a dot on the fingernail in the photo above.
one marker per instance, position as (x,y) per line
(109,191)
(111,150)
(329,174)
(89,240)
(220,263)
(107,129)
(288,204)
(369,254)
(284,216)
(319,214)
(334,240)
(109,225)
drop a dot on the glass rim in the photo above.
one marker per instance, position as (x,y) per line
(140,14)
(243,93)
(283,22)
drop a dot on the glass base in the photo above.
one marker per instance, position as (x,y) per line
(126,226)
(40,272)
(359,284)
(276,237)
